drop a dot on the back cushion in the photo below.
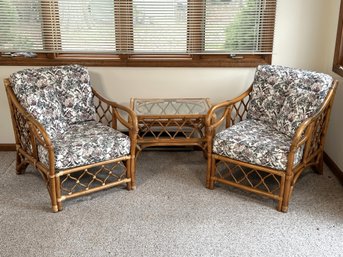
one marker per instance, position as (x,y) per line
(75,93)
(35,91)
(285,97)
(270,89)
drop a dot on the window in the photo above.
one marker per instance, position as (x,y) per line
(188,33)
(338,57)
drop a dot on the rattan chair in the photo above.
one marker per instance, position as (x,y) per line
(68,132)
(262,140)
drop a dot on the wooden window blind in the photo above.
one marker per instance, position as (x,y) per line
(214,32)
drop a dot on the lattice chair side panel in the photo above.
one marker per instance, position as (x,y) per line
(260,180)
(104,112)
(92,178)
(318,128)
(21,129)
(239,111)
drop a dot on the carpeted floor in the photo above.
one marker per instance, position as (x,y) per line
(170,213)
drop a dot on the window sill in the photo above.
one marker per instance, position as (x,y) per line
(140,60)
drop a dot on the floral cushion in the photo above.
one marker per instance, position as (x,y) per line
(276,89)
(270,88)
(255,142)
(85,143)
(75,93)
(55,96)
(299,105)
(35,91)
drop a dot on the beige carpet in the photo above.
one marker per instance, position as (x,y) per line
(170,214)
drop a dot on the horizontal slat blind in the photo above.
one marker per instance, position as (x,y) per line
(20,25)
(138,26)
(86,26)
(239,26)
(160,26)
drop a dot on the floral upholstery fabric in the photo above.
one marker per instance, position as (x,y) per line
(85,143)
(299,105)
(281,99)
(55,96)
(255,142)
(61,99)
(75,93)
(284,97)
(35,90)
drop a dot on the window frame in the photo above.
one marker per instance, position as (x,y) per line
(338,55)
(138,60)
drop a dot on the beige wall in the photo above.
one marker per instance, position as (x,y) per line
(334,139)
(305,32)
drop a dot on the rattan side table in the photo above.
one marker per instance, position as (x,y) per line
(171,121)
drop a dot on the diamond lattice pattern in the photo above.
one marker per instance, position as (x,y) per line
(93,177)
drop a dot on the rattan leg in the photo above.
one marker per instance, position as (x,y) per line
(128,165)
(53,194)
(133,173)
(281,193)
(21,164)
(58,193)
(287,193)
(212,172)
(208,174)
(319,167)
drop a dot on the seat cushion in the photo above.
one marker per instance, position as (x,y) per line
(255,142)
(35,91)
(74,91)
(86,143)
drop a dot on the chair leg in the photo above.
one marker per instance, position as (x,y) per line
(211,172)
(208,174)
(55,206)
(128,164)
(21,164)
(133,172)
(58,193)
(287,193)
(319,166)
(279,206)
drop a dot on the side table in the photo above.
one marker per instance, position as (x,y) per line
(171,121)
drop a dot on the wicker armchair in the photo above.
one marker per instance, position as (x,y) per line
(68,132)
(273,131)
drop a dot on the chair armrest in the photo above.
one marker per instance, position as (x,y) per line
(113,108)
(311,132)
(232,111)
(29,133)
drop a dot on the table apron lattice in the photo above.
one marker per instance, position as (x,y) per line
(171,131)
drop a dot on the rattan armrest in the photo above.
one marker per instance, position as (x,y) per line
(36,132)
(314,126)
(130,123)
(212,121)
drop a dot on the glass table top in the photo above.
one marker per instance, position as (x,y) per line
(170,106)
